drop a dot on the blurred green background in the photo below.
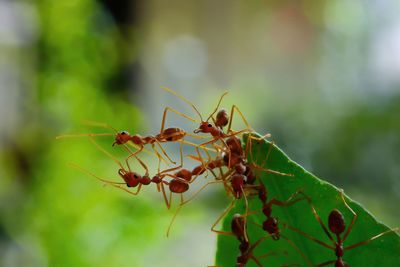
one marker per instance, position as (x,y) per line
(322,76)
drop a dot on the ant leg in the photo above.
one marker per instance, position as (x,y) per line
(271,145)
(196,136)
(246,238)
(143,165)
(128,191)
(354,216)
(176,112)
(256,261)
(271,171)
(168,203)
(292,244)
(173,217)
(79,168)
(397,229)
(234,107)
(184,99)
(221,217)
(314,211)
(198,191)
(133,154)
(310,237)
(219,103)
(100,148)
(261,168)
(201,158)
(91,123)
(99,124)
(250,144)
(290,201)
(163,151)
(173,168)
(82,135)
(112,183)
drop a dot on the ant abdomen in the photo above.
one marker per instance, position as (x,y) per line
(271,226)
(173,134)
(336,222)
(222,118)
(178,186)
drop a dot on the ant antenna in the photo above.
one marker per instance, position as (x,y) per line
(220,100)
(184,99)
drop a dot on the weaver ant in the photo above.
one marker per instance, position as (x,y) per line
(131,179)
(337,226)
(215,129)
(239,230)
(172,134)
(271,223)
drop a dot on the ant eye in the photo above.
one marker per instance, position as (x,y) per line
(123,133)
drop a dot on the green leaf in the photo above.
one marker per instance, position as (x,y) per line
(384,251)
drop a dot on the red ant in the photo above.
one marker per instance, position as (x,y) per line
(337,226)
(173,134)
(241,174)
(222,120)
(271,223)
(131,179)
(239,230)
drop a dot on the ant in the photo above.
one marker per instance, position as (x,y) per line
(271,223)
(131,179)
(172,134)
(241,173)
(216,129)
(337,227)
(239,230)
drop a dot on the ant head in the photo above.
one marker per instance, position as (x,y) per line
(121,138)
(222,118)
(271,226)
(131,179)
(336,222)
(204,127)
